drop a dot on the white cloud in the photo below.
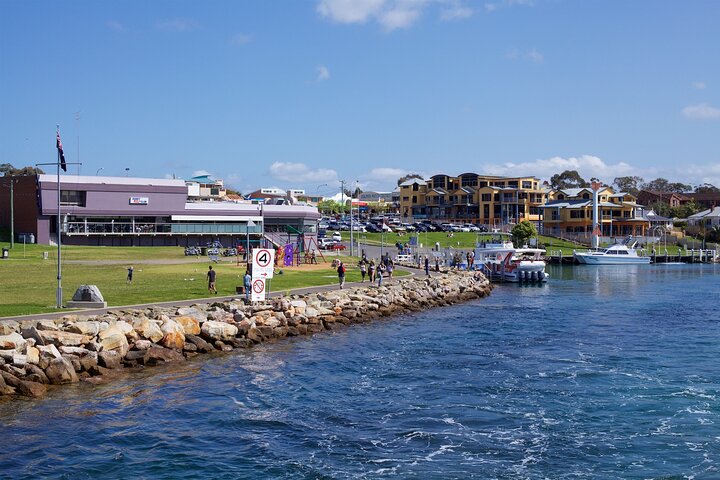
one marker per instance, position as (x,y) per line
(390,14)
(494,6)
(702,111)
(532,55)
(698,85)
(587,165)
(322,73)
(200,173)
(178,25)
(114,25)
(297,173)
(456,12)
(240,39)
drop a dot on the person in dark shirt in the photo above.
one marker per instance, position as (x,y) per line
(211,280)
(130,274)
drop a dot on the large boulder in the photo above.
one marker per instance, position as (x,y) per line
(109,359)
(201,344)
(156,354)
(173,335)
(113,338)
(200,316)
(84,328)
(13,341)
(9,326)
(148,329)
(59,338)
(190,325)
(218,330)
(23,387)
(61,371)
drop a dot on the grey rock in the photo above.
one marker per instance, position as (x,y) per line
(61,371)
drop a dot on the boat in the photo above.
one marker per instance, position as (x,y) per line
(499,260)
(618,254)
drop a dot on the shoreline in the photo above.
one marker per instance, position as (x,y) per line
(37,354)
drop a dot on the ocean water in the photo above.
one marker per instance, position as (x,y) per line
(604,372)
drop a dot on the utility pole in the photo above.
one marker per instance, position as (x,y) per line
(342,193)
(12,214)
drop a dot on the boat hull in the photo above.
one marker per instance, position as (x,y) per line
(608,260)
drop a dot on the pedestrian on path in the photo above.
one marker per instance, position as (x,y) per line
(427,266)
(363,270)
(130,274)
(371,271)
(380,272)
(341,274)
(247,283)
(211,280)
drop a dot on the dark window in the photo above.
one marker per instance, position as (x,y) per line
(75,198)
(486,197)
(526,184)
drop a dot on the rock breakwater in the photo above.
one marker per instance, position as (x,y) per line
(37,353)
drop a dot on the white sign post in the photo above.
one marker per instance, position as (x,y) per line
(263,263)
(258,290)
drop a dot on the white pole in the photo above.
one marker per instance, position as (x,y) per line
(58,293)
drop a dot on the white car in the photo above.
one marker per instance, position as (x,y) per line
(336,237)
(326,243)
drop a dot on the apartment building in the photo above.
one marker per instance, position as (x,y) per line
(473,198)
(571,212)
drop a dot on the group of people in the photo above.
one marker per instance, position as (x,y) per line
(368,269)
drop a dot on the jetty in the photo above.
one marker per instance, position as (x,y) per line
(38,354)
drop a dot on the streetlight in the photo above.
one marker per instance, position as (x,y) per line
(98,171)
(127,171)
(249,224)
(12,182)
(317,191)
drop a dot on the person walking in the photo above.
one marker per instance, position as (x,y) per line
(341,274)
(390,267)
(247,283)
(371,271)
(130,274)
(211,274)
(427,266)
(380,272)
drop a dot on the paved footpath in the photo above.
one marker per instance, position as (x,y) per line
(186,303)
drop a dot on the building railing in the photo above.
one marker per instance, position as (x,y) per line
(144,228)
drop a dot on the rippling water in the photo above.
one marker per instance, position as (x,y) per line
(605,372)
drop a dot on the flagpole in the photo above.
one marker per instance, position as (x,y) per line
(59,163)
(58,293)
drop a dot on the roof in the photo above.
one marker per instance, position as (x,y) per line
(410,181)
(709,213)
(567,204)
(94,180)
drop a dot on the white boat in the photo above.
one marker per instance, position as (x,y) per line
(500,260)
(619,254)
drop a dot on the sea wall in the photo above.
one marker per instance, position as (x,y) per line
(37,353)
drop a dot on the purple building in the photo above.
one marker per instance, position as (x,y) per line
(146,212)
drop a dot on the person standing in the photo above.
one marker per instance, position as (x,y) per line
(247,283)
(390,267)
(427,266)
(130,274)
(371,271)
(363,270)
(341,274)
(211,280)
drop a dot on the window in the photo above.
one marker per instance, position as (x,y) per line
(577,214)
(586,196)
(513,184)
(75,198)
(526,184)
(414,199)
(406,199)
(415,187)
(486,197)
(483,184)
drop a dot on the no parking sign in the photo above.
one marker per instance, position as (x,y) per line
(258,290)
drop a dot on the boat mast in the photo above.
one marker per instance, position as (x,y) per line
(596,224)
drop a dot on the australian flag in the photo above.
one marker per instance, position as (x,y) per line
(63,165)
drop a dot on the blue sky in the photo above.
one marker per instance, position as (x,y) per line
(303,93)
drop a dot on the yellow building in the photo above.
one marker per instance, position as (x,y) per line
(571,211)
(472,198)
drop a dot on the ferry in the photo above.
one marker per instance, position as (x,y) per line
(499,260)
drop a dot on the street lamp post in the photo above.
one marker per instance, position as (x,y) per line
(12,182)
(249,224)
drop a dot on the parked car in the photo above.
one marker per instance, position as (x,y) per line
(372,228)
(326,243)
(471,227)
(336,237)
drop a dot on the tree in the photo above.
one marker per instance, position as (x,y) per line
(662,185)
(331,207)
(706,188)
(407,177)
(523,231)
(628,184)
(685,210)
(8,170)
(568,179)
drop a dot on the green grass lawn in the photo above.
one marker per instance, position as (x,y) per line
(28,283)
(466,240)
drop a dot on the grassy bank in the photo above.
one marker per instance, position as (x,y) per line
(28,282)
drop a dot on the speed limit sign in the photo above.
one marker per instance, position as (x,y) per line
(258,290)
(263,262)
